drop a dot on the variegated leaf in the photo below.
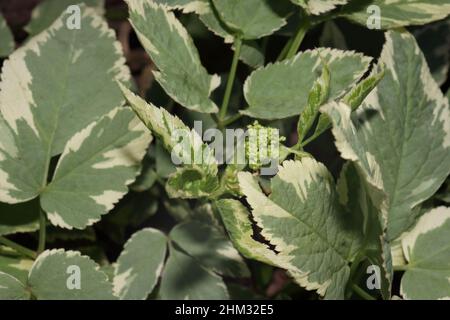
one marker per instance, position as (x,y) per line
(12,289)
(6,38)
(397,13)
(384,133)
(140,265)
(97,165)
(210,247)
(18,218)
(187,6)
(198,176)
(200,285)
(14,264)
(171,48)
(311,230)
(46,12)
(317,7)
(67,275)
(253,19)
(280,90)
(45,98)
(426,248)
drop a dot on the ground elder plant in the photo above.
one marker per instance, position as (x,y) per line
(226,149)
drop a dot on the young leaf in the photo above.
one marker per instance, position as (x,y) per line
(273,92)
(210,248)
(253,19)
(426,248)
(201,283)
(140,265)
(317,97)
(45,98)
(319,6)
(111,150)
(199,171)
(171,48)
(236,218)
(46,12)
(7,40)
(309,230)
(67,275)
(11,288)
(394,14)
(384,133)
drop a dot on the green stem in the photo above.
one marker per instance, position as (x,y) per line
(231,119)
(230,82)
(363,294)
(304,26)
(285,50)
(19,248)
(42,231)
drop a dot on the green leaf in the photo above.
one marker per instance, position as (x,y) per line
(399,13)
(280,90)
(426,248)
(11,288)
(209,246)
(311,230)
(15,265)
(7,43)
(45,98)
(253,19)
(252,54)
(18,218)
(406,110)
(171,48)
(45,13)
(434,40)
(53,277)
(366,212)
(317,97)
(187,6)
(111,150)
(140,265)
(317,7)
(332,36)
(198,176)
(200,284)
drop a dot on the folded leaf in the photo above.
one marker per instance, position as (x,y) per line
(95,168)
(311,230)
(383,135)
(281,90)
(7,39)
(11,288)
(253,19)
(45,98)
(319,6)
(46,12)
(426,248)
(210,248)
(399,13)
(140,265)
(67,275)
(198,176)
(171,48)
(201,283)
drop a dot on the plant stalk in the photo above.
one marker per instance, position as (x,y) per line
(231,77)
(360,292)
(17,247)
(42,231)
(304,26)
